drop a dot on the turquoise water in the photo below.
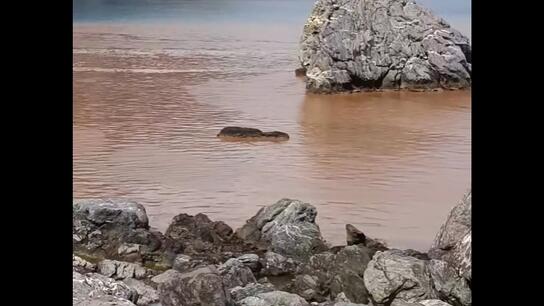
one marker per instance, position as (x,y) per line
(457,12)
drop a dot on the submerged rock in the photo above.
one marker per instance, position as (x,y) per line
(381,44)
(287,227)
(242,132)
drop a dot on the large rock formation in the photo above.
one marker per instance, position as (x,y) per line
(381,44)
(453,242)
(287,227)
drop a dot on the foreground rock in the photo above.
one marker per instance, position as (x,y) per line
(327,275)
(115,229)
(287,227)
(98,290)
(392,275)
(449,286)
(147,295)
(381,44)
(274,298)
(277,258)
(453,242)
(251,133)
(203,241)
(203,286)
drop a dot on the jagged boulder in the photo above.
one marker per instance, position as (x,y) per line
(287,227)
(381,44)
(453,242)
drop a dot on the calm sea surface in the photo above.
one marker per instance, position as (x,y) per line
(154,81)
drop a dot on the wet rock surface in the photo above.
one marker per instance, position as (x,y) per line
(251,133)
(277,258)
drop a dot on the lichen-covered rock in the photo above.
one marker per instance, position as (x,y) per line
(453,242)
(274,298)
(239,293)
(96,289)
(450,286)
(392,275)
(147,295)
(203,286)
(287,227)
(121,270)
(391,44)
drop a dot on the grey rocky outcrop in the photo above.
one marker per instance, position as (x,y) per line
(381,44)
(99,290)
(287,227)
(274,264)
(453,242)
(115,229)
(327,275)
(204,240)
(147,295)
(392,275)
(235,273)
(203,286)
(449,285)
(81,265)
(121,270)
(251,261)
(274,298)
(239,293)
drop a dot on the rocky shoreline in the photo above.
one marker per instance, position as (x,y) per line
(277,258)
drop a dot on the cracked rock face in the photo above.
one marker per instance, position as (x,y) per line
(95,289)
(392,275)
(381,44)
(287,227)
(453,242)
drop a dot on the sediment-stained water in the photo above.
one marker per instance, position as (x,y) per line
(151,94)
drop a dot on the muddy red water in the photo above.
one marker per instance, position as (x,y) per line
(150,100)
